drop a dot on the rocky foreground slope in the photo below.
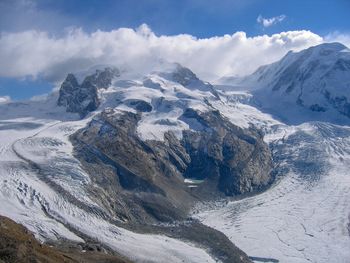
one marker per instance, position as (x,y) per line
(18,245)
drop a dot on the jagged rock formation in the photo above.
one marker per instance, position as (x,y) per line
(83,98)
(237,160)
(187,78)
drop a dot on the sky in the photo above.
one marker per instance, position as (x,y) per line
(43,40)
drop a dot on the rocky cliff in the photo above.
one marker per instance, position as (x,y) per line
(83,98)
(159,180)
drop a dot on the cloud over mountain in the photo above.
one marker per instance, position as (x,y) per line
(4,99)
(38,53)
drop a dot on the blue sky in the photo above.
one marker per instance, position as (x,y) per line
(200,18)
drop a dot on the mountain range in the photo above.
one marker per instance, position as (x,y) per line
(166,167)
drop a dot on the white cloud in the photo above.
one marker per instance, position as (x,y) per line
(36,53)
(267,22)
(338,37)
(4,99)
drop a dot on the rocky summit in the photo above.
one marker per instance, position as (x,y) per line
(83,98)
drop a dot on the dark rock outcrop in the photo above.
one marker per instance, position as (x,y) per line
(237,160)
(83,98)
(139,180)
(189,79)
(184,76)
(77,98)
(139,105)
(144,180)
(102,79)
(341,103)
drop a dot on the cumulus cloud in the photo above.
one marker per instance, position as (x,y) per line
(37,53)
(267,22)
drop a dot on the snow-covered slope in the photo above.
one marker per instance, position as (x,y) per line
(162,96)
(162,99)
(304,216)
(313,84)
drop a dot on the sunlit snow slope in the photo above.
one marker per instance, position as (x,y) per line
(303,86)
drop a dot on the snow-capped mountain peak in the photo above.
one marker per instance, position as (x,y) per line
(316,79)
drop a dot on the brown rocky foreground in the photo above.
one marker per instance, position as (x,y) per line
(19,245)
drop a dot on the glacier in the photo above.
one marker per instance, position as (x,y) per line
(304,216)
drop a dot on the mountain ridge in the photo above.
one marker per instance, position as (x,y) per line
(314,82)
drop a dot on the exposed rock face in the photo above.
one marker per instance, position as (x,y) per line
(341,103)
(139,105)
(102,79)
(83,98)
(188,79)
(144,180)
(184,76)
(139,180)
(77,98)
(196,154)
(237,159)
